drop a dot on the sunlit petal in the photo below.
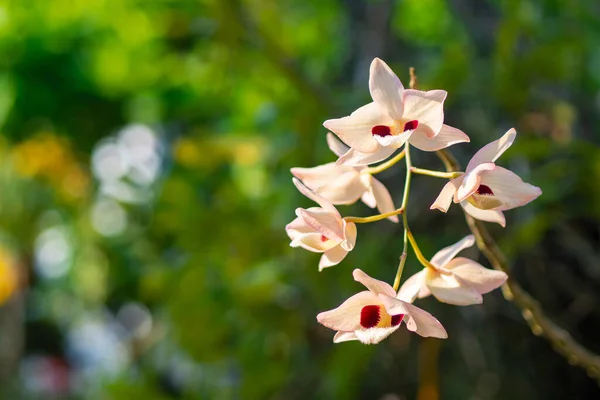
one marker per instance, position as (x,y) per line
(491,151)
(447,137)
(444,199)
(383,198)
(417,320)
(447,289)
(442,257)
(509,188)
(344,337)
(332,257)
(335,145)
(356,129)
(346,317)
(412,287)
(374,285)
(322,221)
(322,201)
(357,158)
(471,181)
(482,279)
(484,215)
(425,107)
(386,88)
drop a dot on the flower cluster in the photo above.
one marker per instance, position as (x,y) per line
(395,121)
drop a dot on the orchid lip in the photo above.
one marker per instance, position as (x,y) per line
(370,316)
(411,125)
(373,315)
(396,319)
(381,130)
(484,190)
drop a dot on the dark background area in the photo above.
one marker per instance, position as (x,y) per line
(145,186)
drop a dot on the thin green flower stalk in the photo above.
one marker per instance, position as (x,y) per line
(404,217)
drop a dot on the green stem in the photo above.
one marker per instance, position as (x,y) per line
(437,174)
(418,253)
(379,217)
(404,217)
(382,167)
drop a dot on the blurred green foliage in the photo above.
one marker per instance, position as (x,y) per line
(236,91)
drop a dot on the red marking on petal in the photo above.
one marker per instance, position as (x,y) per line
(485,190)
(324,238)
(369,316)
(411,125)
(396,319)
(381,130)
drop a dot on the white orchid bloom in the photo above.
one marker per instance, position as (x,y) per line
(342,184)
(395,116)
(485,189)
(321,229)
(459,281)
(371,316)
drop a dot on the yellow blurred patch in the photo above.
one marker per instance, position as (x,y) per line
(216,150)
(8,276)
(51,158)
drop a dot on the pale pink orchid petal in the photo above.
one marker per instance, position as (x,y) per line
(357,158)
(386,88)
(322,201)
(417,320)
(312,242)
(325,174)
(350,233)
(445,255)
(302,235)
(356,129)
(491,151)
(444,199)
(344,337)
(509,188)
(484,215)
(374,285)
(338,184)
(374,335)
(425,107)
(346,317)
(482,279)
(471,181)
(393,141)
(332,257)
(326,223)
(383,198)
(447,137)
(369,199)
(335,145)
(412,287)
(347,189)
(448,289)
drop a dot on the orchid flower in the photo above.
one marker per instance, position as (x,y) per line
(485,189)
(459,281)
(372,315)
(395,116)
(342,184)
(321,229)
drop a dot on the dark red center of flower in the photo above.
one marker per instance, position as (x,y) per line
(369,316)
(484,190)
(396,319)
(381,130)
(324,238)
(411,125)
